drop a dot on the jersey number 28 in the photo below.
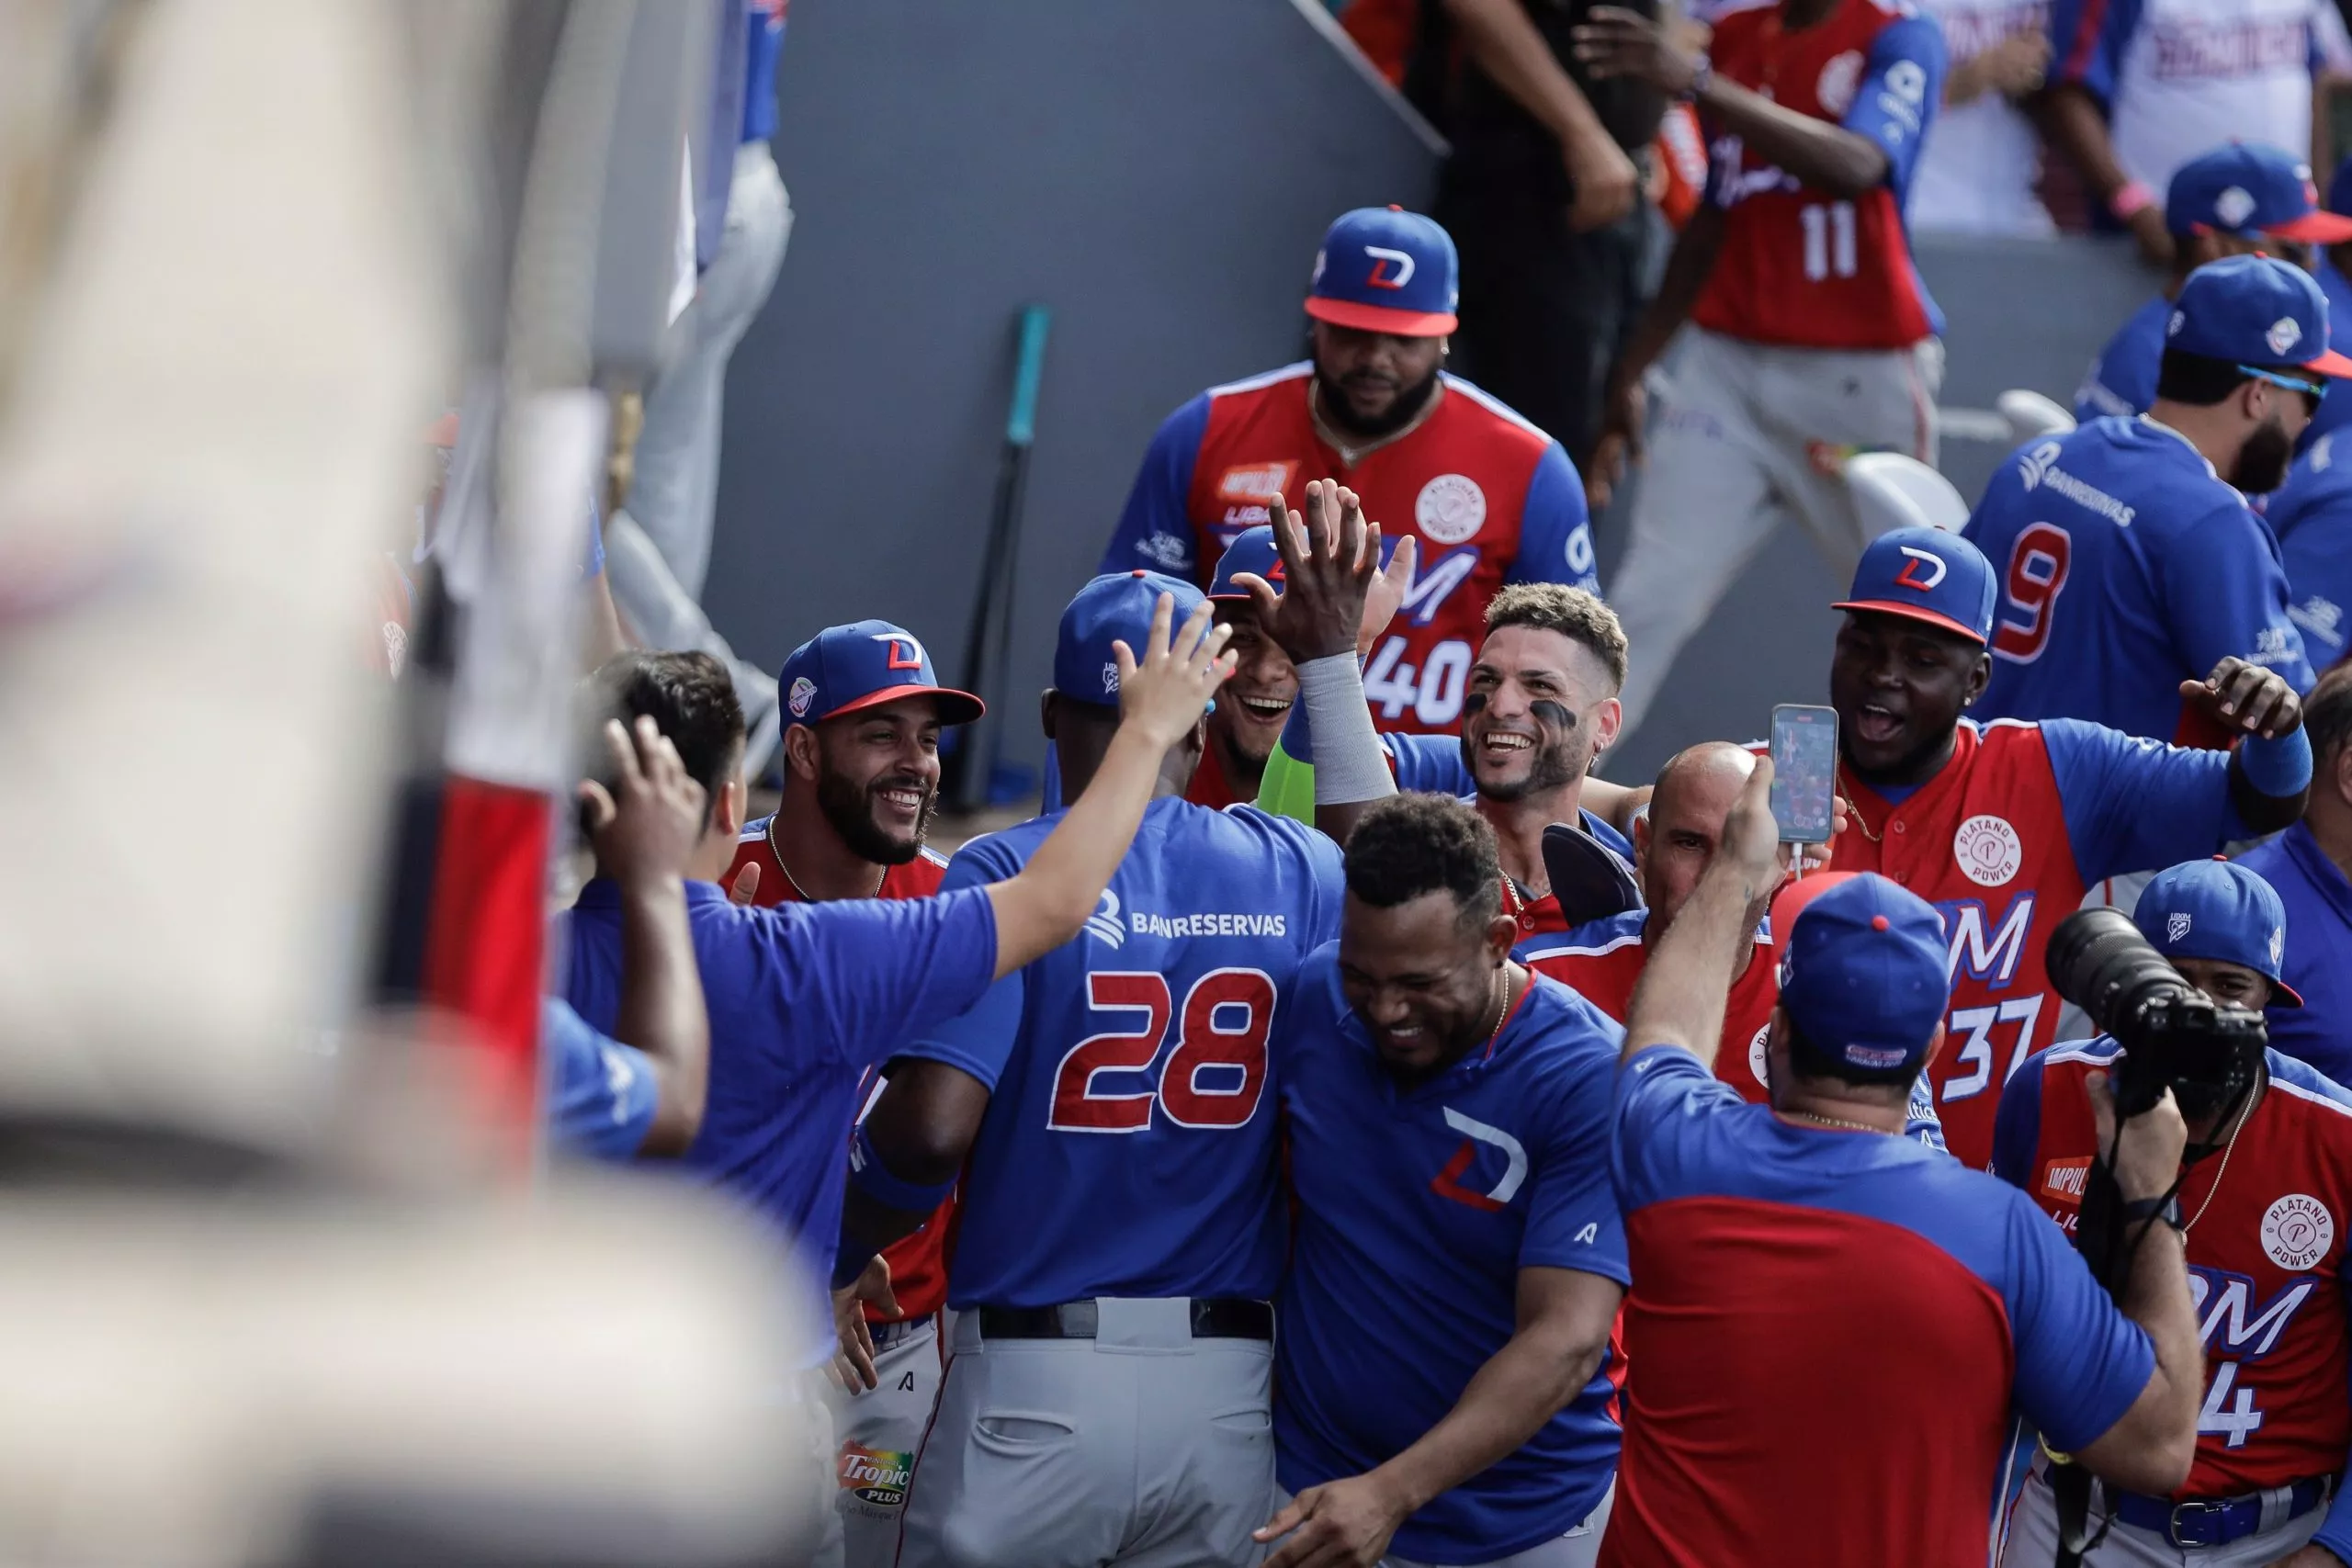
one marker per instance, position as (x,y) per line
(1211,1079)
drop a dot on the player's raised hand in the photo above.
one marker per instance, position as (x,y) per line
(1389,589)
(1330,557)
(744,891)
(1342,1524)
(1751,835)
(2246,698)
(1614,41)
(646,825)
(1163,696)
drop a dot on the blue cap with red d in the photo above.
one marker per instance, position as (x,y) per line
(2253,311)
(1383,269)
(2218,910)
(864,665)
(1253,551)
(1864,972)
(2250,190)
(1115,607)
(1925,574)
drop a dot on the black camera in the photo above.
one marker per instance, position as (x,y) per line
(2174,1036)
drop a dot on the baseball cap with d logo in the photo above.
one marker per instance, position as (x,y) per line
(1925,574)
(1383,269)
(864,665)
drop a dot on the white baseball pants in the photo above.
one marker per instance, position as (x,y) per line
(1751,435)
(2034,1537)
(877,1431)
(1580,1548)
(1141,1446)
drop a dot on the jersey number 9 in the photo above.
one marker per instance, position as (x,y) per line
(1211,1079)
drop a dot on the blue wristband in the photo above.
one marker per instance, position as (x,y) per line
(2277,768)
(849,1262)
(886,1186)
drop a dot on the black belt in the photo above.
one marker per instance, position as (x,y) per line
(1213,1318)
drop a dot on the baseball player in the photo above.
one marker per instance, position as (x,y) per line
(2310,517)
(2128,560)
(1806,1282)
(2233,201)
(1814,338)
(1447,1117)
(1981,162)
(2004,827)
(1489,498)
(863,714)
(2266,1175)
(1118,1235)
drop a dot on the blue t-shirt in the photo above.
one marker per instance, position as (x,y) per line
(803,999)
(2318,961)
(2123,380)
(2312,517)
(1417,1209)
(601,1094)
(2126,566)
(1128,1147)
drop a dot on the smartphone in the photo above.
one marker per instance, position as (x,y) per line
(1804,771)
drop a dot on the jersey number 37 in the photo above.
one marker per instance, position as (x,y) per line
(1212,1077)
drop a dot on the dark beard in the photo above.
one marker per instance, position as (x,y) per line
(1407,407)
(850,810)
(2264,459)
(1555,767)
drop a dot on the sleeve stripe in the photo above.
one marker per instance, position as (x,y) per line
(2085,41)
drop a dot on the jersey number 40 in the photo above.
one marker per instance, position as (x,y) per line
(1211,1079)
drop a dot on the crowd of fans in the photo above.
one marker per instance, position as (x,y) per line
(1352,1130)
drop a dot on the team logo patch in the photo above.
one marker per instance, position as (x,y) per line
(1756,1056)
(1450,509)
(2234,206)
(1838,79)
(1922,570)
(878,1475)
(2036,462)
(2174,323)
(2283,334)
(1390,269)
(2277,945)
(2177,925)
(803,693)
(1111,679)
(1259,482)
(1988,849)
(1447,1183)
(2296,1231)
(1104,924)
(2064,1179)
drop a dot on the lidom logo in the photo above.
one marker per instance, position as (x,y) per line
(877,1475)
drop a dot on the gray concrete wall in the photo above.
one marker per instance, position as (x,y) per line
(1158,174)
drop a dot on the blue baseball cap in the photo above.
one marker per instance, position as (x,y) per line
(1113,608)
(2249,190)
(1253,551)
(864,665)
(2218,910)
(1865,975)
(2255,310)
(1383,269)
(1925,574)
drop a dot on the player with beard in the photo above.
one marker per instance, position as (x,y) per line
(862,713)
(2004,827)
(2128,562)
(1489,498)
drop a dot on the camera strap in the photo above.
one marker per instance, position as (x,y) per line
(2070,1489)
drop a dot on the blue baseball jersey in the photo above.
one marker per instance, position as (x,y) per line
(2121,382)
(803,999)
(2126,566)
(1416,1209)
(1801,1295)
(2311,518)
(601,1094)
(2318,960)
(1128,1147)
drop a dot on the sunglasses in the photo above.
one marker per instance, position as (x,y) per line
(2315,390)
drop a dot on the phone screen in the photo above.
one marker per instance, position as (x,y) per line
(1804,771)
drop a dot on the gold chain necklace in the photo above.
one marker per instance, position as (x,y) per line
(776,851)
(1503,1016)
(1837,1122)
(2227,1149)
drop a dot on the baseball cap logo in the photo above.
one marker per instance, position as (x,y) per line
(906,653)
(2234,206)
(1923,570)
(804,691)
(2283,336)
(1382,277)
(2177,925)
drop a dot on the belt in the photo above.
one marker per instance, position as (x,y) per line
(885,1334)
(2215,1523)
(1213,1318)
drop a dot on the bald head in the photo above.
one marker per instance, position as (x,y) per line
(1693,797)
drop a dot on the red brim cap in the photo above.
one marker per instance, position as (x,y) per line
(1381,319)
(2283,995)
(955,708)
(2313,227)
(2332,364)
(1910,613)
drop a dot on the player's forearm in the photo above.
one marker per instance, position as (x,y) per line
(2163,1422)
(868,1225)
(1047,903)
(2071,121)
(1679,998)
(1521,1386)
(660,1010)
(2270,782)
(1827,157)
(1502,42)
(1687,268)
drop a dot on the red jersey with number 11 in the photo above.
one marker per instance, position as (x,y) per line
(1799,266)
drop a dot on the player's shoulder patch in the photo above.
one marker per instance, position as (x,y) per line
(2305,1082)
(1259,383)
(754,831)
(1592,940)
(1499,409)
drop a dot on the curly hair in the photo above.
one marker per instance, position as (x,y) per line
(1409,845)
(1573,613)
(690,696)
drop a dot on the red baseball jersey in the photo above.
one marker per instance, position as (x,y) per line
(2266,1259)
(1602,961)
(1491,498)
(1799,266)
(1212,788)
(918,1262)
(2004,841)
